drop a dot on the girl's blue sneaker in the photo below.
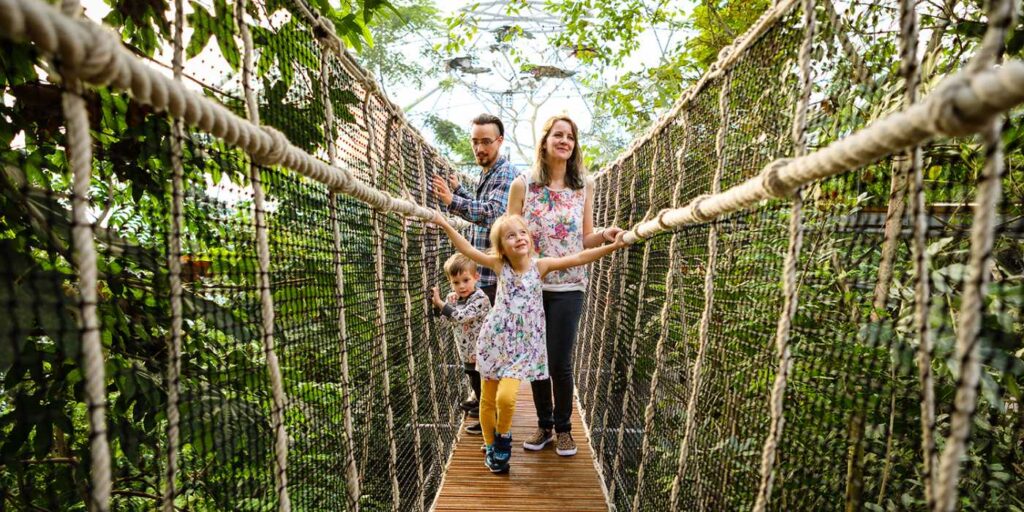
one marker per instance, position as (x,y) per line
(499,454)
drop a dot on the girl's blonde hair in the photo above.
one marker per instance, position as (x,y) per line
(575,173)
(502,224)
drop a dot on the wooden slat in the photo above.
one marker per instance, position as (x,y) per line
(537,481)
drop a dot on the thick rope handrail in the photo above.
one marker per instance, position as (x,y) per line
(962,104)
(96,56)
(263,276)
(79,155)
(790,290)
(175,334)
(1002,15)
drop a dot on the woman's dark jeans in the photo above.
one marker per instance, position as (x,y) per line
(562,311)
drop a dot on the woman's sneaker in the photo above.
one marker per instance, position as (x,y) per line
(474,429)
(497,459)
(469,405)
(538,440)
(565,446)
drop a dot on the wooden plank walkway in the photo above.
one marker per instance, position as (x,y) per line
(537,481)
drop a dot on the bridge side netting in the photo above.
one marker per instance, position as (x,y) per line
(329,255)
(701,315)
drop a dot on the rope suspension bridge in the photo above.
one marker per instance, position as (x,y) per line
(807,318)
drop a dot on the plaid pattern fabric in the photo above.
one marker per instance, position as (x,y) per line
(489,204)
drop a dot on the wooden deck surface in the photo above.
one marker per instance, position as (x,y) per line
(537,481)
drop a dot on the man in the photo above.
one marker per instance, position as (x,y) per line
(487,133)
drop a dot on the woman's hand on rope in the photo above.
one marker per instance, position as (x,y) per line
(611,234)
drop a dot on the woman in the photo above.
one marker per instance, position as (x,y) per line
(557,200)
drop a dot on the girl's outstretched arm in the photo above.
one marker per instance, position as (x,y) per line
(462,245)
(546,265)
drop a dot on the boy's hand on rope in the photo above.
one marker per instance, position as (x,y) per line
(435,297)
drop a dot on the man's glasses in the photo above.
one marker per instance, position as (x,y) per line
(482,142)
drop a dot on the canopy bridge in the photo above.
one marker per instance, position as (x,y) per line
(214,295)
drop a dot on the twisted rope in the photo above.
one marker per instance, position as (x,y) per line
(380,348)
(427,324)
(410,360)
(612,264)
(709,297)
(1002,16)
(263,258)
(174,278)
(79,155)
(663,334)
(727,57)
(593,298)
(631,360)
(961,104)
(352,477)
(769,452)
(96,56)
(618,308)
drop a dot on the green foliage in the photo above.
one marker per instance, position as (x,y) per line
(453,138)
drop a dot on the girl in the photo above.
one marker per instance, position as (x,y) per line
(557,200)
(511,346)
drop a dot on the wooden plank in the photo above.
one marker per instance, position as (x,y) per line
(537,481)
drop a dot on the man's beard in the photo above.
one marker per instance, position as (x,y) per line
(484,161)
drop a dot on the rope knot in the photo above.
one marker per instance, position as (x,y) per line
(99,59)
(695,211)
(770,181)
(956,109)
(274,152)
(661,219)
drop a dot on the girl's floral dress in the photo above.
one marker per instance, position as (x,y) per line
(511,343)
(556,222)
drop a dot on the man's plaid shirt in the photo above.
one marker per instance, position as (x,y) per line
(489,204)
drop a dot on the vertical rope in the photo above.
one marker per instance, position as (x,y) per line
(425,283)
(709,288)
(593,301)
(614,339)
(612,264)
(174,277)
(635,334)
(910,173)
(1002,15)
(352,477)
(410,360)
(666,308)
(263,255)
(79,155)
(381,345)
(910,69)
(790,289)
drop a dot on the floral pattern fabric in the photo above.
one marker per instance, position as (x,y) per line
(555,218)
(511,343)
(468,314)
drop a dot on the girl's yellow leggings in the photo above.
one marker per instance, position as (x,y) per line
(497,405)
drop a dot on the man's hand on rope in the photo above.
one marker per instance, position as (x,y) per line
(442,191)
(453,181)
